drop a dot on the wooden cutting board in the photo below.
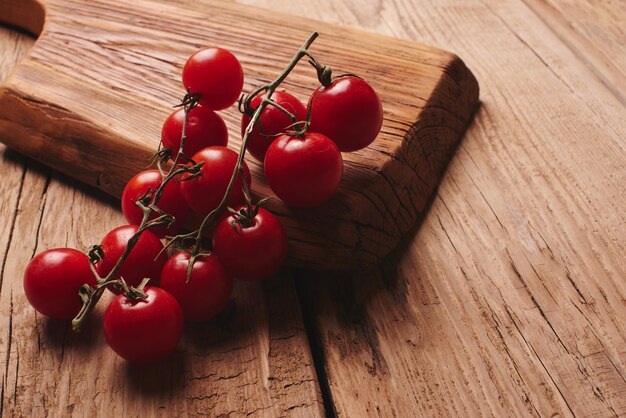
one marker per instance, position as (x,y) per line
(95,89)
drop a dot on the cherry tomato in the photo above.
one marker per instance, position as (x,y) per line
(52,280)
(205,192)
(272,122)
(171,201)
(348,111)
(142,261)
(204,128)
(144,330)
(207,291)
(216,75)
(250,249)
(303,172)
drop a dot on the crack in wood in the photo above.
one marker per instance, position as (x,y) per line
(20,189)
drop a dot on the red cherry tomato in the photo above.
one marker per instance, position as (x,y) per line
(171,201)
(142,261)
(216,75)
(207,291)
(52,280)
(205,192)
(272,122)
(144,330)
(253,249)
(303,172)
(348,111)
(204,129)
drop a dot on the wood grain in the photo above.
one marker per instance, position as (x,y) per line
(252,361)
(595,31)
(509,300)
(91,97)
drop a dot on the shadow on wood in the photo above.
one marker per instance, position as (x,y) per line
(162,380)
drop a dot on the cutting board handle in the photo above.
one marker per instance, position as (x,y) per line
(28,15)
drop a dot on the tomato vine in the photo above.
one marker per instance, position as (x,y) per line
(183,165)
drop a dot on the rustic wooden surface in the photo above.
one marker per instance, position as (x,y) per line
(594,30)
(92,95)
(509,300)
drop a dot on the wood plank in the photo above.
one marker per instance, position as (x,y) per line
(254,360)
(107,74)
(595,31)
(509,299)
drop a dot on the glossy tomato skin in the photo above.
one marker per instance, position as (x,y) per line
(52,280)
(171,201)
(272,122)
(348,111)
(252,252)
(205,192)
(206,293)
(204,129)
(303,172)
(145,330)
(142,261)
(216,75)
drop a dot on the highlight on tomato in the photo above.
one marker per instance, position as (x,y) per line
(304,171)
(52,280)
(143,330)
(146,259)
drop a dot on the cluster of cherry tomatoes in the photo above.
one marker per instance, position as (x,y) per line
(301,151)
(304,168)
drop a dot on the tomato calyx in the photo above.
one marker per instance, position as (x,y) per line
(95,254)
(163,155)
(324,72)
(189,100)
(244,217)
(300,127)
(193,256)
(244,104)
(133,293)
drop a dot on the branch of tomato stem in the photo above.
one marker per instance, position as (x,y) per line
(90,302)
(91,298)
(267,100)
(290,115)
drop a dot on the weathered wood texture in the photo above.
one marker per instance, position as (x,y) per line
(510,299)
(253,360)
(594,30)
(92,96)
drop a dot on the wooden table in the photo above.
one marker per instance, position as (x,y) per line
(508,300)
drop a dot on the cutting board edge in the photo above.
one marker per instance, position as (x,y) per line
(16,15)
